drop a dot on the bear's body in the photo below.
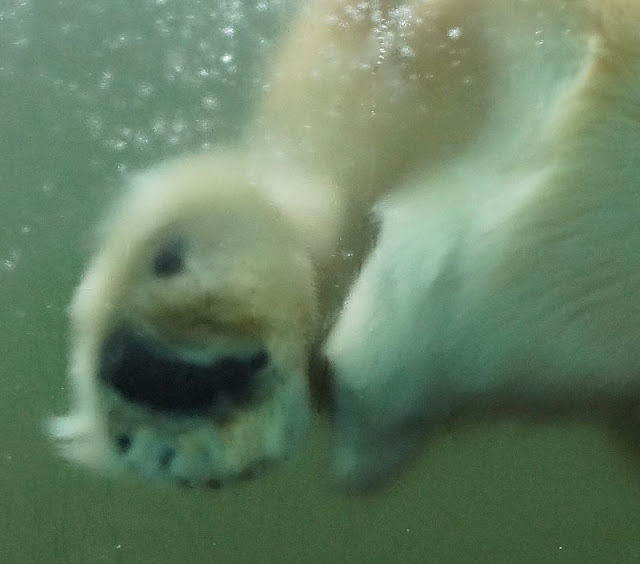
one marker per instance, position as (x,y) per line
(495,143)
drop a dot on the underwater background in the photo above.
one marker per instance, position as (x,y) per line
(93,89)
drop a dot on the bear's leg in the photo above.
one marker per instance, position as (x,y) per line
(381,350)
(526,302)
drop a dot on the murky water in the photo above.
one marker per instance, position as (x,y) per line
(91,89)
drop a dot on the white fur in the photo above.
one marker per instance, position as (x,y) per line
(496,145)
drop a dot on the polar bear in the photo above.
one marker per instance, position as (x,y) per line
(440,197)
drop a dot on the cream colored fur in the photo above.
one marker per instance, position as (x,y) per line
(477,160)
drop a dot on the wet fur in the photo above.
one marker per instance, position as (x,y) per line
(440,196)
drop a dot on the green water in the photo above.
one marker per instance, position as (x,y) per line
(91,89)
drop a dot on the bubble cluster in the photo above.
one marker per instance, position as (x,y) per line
(152,79)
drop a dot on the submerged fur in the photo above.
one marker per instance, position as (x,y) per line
(440,196)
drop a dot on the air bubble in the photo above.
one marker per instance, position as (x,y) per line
(9,263)
(145,90)
(106,78)
(407,52)
(116,144)
(209,102)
